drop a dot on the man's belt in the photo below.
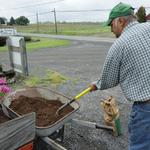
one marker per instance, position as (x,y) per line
(142,102)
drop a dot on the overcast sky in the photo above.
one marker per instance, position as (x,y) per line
(18,8)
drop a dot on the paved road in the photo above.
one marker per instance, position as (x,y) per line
(82,60)
(78,38)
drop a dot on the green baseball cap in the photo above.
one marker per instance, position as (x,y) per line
(118,11)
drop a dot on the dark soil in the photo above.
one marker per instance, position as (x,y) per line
(45,109)
(3,117)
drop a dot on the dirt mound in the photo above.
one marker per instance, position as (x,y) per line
(45,109)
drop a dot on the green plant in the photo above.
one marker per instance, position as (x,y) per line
(12,21)
(27,38)
(3,41)
(53,77)
(32,81)
(22,20)
(37,43)
(141,14)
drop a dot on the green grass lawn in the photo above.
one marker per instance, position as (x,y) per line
(81,28)
(85,29)
(42,43)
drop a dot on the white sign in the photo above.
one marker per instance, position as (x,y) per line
(17,58)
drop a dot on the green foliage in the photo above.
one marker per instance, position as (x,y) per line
(22,20)
(32,81)
(3,41)
(52,78)
(37,43)
(1,68)
(141,14)
(2,20)
(45,43)
(27,38)
(12,21)
(94,29)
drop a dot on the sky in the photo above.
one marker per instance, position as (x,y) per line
(44,9)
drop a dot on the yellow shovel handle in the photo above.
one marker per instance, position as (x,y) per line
(83,93)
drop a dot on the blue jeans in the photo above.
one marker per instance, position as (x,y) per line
(139,127)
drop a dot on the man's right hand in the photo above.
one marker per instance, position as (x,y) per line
(93,87)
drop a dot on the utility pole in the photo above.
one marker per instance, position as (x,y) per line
(55,21)
(37,20)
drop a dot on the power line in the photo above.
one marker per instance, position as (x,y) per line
(42,13)
(27,6)
(47,12)
(83,10)
(38,4)
(91,10)
(67,11)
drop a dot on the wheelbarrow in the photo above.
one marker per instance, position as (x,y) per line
(46,94)
(45,132)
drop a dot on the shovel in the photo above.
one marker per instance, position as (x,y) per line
(58,112)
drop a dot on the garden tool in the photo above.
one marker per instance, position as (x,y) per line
(74,99)
(111,115)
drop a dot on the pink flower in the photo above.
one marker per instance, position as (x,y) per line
(2,81)
(4,89)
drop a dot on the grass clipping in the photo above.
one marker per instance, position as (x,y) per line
(51,78)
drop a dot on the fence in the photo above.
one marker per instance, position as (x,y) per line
(55,20)
(67,21)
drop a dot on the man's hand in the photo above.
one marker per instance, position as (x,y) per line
(93,87)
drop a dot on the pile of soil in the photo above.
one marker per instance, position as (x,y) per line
(45,109)
(3,117)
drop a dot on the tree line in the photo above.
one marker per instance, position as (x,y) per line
(22,20)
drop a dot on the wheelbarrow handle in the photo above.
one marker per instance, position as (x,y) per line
(83,93)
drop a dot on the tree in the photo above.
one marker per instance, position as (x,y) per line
(12,21)
(141,14)
(3,20)
(22,20)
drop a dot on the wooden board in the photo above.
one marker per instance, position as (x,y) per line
(17,132)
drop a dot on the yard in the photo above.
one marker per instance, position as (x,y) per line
(81,62)
(85,29)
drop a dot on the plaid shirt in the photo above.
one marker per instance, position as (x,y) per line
(128,63)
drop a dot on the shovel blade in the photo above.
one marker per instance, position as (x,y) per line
(60,110)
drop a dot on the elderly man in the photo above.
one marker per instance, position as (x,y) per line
(128,64)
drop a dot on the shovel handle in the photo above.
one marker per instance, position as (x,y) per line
(77,97)
(83,93)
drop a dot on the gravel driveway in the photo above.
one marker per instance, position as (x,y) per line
(82,61)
